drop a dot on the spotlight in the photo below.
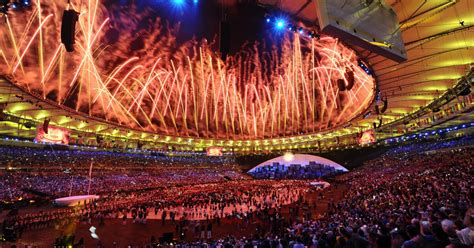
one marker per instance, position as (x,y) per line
(288,156)
(178,3)
(280,23)
(300,30)
(268,20)
(291,27)
(313,35)
(15,5)
(364,67)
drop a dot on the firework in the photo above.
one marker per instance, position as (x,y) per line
(142,79)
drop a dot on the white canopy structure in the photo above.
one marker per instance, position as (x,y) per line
(77,200)
(298,159)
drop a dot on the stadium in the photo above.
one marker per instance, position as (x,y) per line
(236,123)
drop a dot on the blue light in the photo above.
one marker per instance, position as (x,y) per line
(195,1)
(268,20)
(280,23)
(178,3)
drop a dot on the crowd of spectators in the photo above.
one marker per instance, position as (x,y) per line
(397,200)
(51,157)
(312,170)
(58,173)
(406,200)
(417,146)
(416,200)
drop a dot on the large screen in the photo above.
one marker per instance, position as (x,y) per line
(367,137)
(55,135)
(214,151)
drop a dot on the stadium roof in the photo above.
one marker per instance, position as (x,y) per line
(439,38)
